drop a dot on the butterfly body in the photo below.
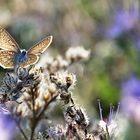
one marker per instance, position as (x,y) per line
(21,57)
(11,55)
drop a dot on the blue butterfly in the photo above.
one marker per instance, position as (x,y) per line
(11,55)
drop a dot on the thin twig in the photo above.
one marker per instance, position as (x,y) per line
(45,107)
(34,115)
(37,118)
(19,127)
(21,130)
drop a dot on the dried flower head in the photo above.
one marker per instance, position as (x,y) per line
(76,115)
(56,132)
(15,83)
(42,135)
(77,53)
(63,80)
(59,63)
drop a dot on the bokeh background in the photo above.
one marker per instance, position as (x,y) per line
(109,28)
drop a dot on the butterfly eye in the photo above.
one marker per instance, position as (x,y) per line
(24,52)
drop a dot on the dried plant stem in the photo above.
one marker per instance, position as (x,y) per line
(33,130)
(46,105)
(20,129)
(37,118)
(34,115)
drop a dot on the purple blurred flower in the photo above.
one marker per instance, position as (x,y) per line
(131,98)
(135,37)
(123,21)
(7,127)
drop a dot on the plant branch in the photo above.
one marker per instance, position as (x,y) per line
(36,118)
(21,130)
(34,115)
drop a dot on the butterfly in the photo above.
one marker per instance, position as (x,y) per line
(11,55)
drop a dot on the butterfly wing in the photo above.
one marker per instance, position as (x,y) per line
(40,47)
(7,59)
(7,42)
(32,59)
(34,52)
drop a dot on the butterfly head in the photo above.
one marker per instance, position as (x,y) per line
(23,52)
